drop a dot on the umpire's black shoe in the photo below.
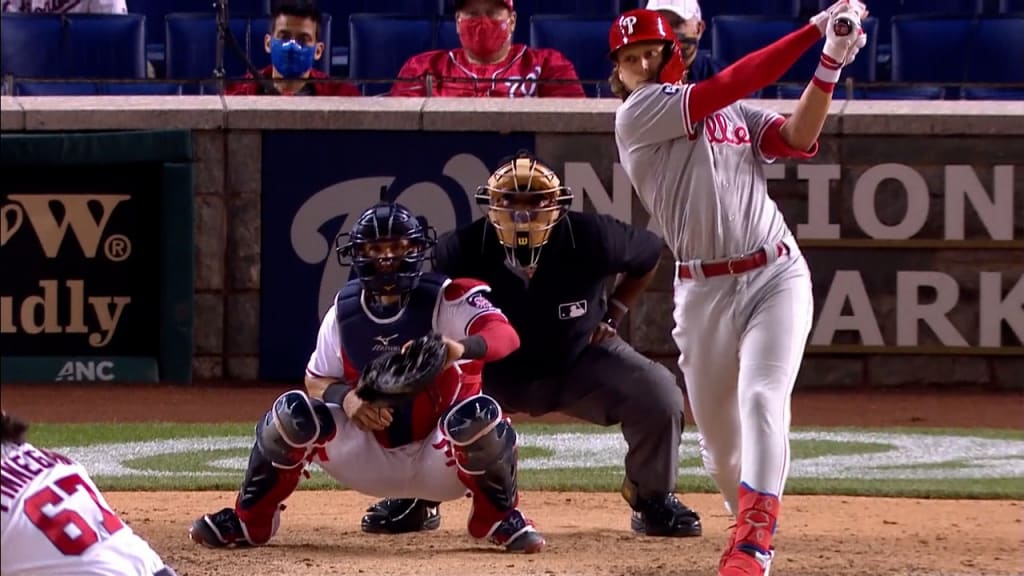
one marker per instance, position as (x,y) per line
(401,515)
(665,517)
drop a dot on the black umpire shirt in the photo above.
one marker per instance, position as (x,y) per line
(555,312)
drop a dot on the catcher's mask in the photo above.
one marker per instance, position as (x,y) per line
(386,248)
(524,201)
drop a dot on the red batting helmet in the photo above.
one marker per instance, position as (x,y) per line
(645,26)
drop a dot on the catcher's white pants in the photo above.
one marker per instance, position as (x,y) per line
(741,340)
(424,469)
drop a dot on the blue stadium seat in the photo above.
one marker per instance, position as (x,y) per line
(992,93)
(904,93)
(31,45)
(447,35)
(930,49)
(105,46)
(603,8)
(73,46)
(95,89)
(259,27)
(711,9)
(191,47)
(584,41)
(794,92)
(1011,6)
(996,52)
(885,10)
(381,43)
(863,69)
(737,36)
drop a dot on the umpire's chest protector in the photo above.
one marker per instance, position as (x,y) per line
(364,337)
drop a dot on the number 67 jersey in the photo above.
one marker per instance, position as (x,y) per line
(56,522)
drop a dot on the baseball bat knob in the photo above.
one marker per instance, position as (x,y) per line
(843,26)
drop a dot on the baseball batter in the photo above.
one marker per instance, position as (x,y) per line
(446,441)
(743,301)
(56,522)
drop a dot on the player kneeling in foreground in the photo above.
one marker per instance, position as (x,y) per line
(434,443)
(743,300)
(56,522)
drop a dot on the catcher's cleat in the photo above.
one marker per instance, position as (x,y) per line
(517,534)
(219,530)
(402,515)
(665,517)
(225,529)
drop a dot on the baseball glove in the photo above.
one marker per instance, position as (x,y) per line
(396,376)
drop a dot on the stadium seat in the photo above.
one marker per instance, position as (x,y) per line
(95,89)
(794,92)
(191,47)
(710,9)
(381,43)
(884,11)
(584,41)
(259,27)
(737,36)
(1011,7)
(930,48)
(603,8)
(992,93)
(902,93)
(996,52)
(105,46)
(73,46)
(31,45)
(447,35)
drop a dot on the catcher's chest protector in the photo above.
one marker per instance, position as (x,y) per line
(364,338)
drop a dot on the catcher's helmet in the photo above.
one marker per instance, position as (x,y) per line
(524,201)
(392,272)
(645,26)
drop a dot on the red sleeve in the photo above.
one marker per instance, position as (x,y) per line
(750,73)
(558,67)
(413,71)
(502,339)
(773,145)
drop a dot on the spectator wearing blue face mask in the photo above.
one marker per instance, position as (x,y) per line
(293,43)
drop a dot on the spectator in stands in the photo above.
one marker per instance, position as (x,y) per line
(66,6)
(489,64)
(684,17)
(293,43)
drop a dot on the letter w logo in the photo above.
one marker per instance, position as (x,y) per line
(77,215)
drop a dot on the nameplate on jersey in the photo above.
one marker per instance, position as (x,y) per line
(571,310)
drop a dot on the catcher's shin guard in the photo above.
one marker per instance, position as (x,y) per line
(486,456)
(285,439)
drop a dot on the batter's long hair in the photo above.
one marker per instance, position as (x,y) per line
(12,430)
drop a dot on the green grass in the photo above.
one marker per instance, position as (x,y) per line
(197,474)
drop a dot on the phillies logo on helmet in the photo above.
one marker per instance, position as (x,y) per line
(626,23)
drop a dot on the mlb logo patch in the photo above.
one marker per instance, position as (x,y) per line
(571,310)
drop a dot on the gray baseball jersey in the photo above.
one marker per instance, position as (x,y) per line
(702,181)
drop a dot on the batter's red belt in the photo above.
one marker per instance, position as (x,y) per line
(733,266)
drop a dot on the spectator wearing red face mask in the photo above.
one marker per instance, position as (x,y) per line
(489,64)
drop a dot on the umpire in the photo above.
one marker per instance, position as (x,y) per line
(548,268)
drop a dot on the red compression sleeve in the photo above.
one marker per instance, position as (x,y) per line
(750,73)
(502,339)
(773,145)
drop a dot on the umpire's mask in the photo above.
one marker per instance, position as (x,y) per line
(524,200)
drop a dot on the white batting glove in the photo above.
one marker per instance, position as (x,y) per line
(821,19)
(844,37)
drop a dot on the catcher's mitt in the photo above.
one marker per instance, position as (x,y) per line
(397,376)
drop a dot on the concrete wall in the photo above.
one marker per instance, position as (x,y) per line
(928,137)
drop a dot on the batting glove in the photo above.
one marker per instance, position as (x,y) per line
(821,19)
(844,37)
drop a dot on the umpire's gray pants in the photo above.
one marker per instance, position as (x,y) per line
(611,383)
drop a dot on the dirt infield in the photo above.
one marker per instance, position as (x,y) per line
(587,533)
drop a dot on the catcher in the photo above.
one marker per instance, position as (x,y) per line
(394,405)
